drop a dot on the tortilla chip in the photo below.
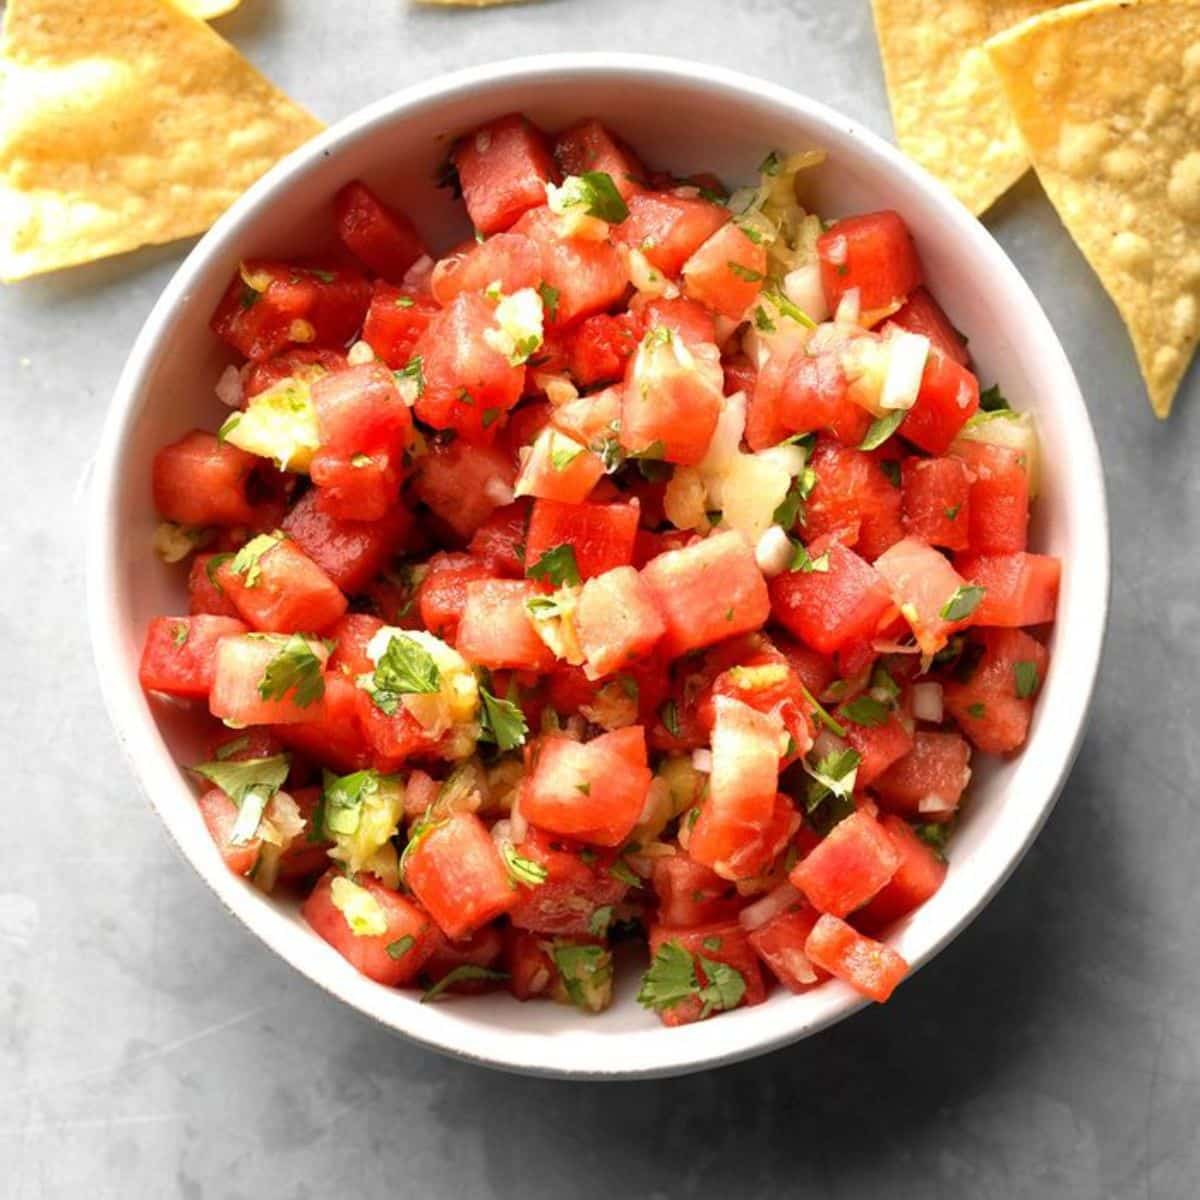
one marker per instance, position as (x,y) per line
(125,123)
(947,105)
(1004,14)
(1107,98)
(206,10)
(467,3)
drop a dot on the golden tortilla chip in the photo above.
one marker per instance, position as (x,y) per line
(207,9)
(1107,98)
(947,105)
(468,3)
(125,123)
(1004,14)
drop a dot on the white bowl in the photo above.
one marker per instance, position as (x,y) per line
(687,117)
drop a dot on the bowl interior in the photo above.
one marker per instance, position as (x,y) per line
(685,118)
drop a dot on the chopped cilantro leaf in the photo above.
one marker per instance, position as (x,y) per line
(557,565)
(250,784)
(935,835)
(819,714)
(792,311)
(501,722)
(461,974)
(992,400)
(866,711)
(669,714)
(832,775)
(401,946)
(405,668)
(600,920)
(803,562)
(247,561)
(1026,673)
(563,452)
(747,274)
(596,193)
(296,669)
(586,972)
(413,370)
(230,423)
(549,297)
(881,429)
(523,870)
(962,604)
(622,871)
(673,978)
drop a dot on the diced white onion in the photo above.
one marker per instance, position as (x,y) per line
(775,902)
(502,834)
(907,353)
(785,456)
(702,761)
(360,353)
(727,436)
(798,964)
(498,492)
(933,803)
(774,552)
(229,387)
(804,289)
(927,702)
(826,743)
(849,308)
(518,827)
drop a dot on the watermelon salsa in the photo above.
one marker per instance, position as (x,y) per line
(648,568)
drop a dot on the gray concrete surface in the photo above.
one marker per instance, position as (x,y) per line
(150,1049)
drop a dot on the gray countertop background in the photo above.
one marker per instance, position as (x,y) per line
(149,1048)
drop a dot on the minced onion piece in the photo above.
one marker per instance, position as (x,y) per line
(229,387)
(849,308)
(774,552)
(647,278)
(927,702)
(907,353)
(498,492)
(826,743)
(518,827)
(360,353)
(723,446)
(804,289)
(773,904)
(786,456)
(933,803)
(702,761)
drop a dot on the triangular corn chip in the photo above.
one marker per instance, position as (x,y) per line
(1107,98)
(206,10)
(947,106)
(1004,14)
(125,123)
